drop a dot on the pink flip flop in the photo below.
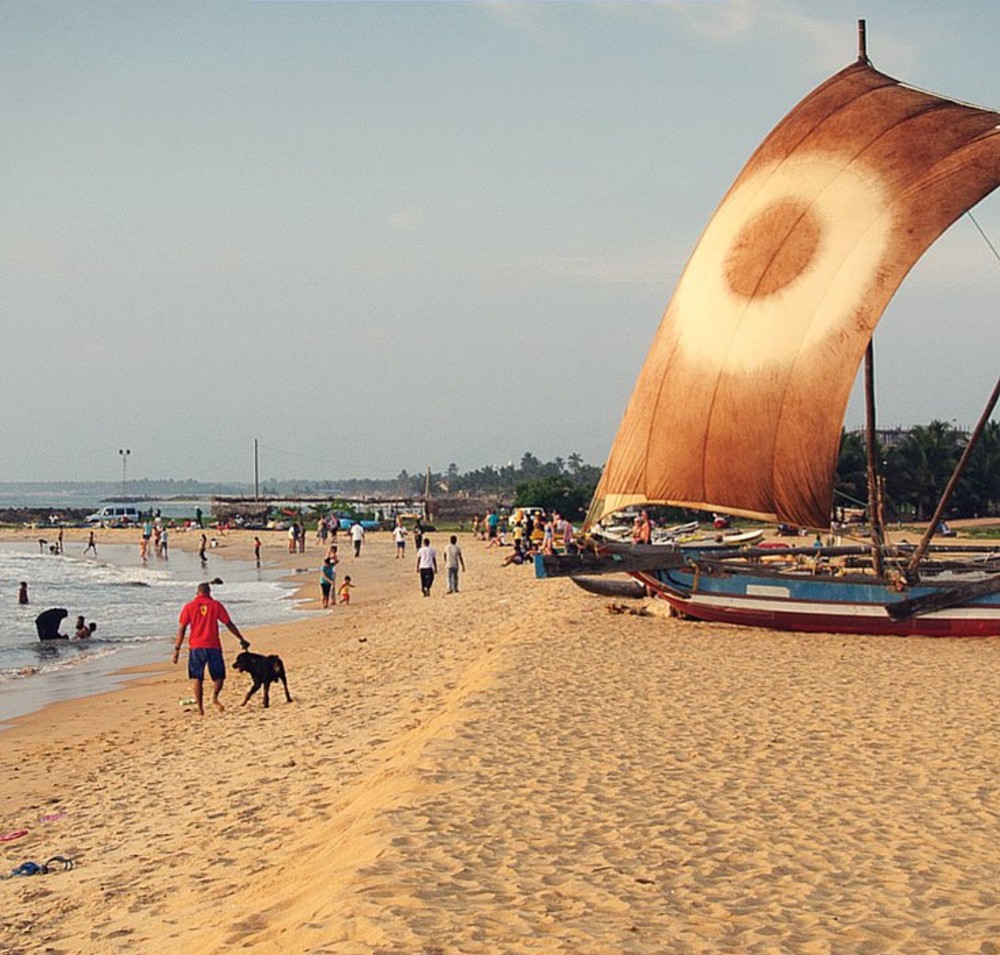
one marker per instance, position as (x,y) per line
(10,836)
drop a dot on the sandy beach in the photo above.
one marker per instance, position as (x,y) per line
(514,769)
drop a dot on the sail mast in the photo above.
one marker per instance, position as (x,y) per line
(871,454)
(871,438)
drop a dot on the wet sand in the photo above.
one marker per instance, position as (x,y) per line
(514,769)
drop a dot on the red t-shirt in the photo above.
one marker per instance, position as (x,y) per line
(203,615)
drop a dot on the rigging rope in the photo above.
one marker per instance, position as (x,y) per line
(986,238)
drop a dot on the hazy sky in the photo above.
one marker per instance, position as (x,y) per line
(383,236)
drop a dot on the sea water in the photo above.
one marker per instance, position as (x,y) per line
(134,604)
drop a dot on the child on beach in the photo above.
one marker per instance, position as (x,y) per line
(345,590)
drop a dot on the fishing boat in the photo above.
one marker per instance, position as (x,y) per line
(740,403)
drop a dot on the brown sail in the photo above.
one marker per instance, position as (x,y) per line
(740,403)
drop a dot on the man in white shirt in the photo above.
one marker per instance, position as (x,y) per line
(357,537)
(427,565)
(399,536)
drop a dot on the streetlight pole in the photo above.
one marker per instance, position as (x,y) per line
(124,452)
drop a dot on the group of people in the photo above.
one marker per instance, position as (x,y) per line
(296,538)
(330,593)
(326,529)
(154,535)
(48,621)
(530,530)
(56,548)
(427,564)
(83,630)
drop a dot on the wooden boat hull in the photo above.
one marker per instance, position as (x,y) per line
(812,604)
(605,587)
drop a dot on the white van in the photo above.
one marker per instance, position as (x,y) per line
(115,514)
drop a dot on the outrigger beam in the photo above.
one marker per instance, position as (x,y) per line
(943,599)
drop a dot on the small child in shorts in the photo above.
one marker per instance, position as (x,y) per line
(345,590)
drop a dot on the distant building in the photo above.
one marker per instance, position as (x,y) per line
(890,438)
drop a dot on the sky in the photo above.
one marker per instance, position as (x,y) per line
(387,236)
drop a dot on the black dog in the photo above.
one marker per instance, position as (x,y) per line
(263,671)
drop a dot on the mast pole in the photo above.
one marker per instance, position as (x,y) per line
(920,552)
(871,453)
(862,42)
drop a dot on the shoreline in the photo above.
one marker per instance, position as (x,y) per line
(516,769)
(99,674)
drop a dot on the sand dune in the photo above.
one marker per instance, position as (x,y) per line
(514,769)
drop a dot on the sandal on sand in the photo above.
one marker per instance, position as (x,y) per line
(33,868)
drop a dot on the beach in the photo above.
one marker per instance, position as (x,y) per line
(514,769)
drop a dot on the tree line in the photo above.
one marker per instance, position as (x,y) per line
(917,468)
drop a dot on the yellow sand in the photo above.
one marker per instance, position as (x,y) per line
(515,770)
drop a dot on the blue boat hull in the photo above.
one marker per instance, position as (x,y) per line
(813,604)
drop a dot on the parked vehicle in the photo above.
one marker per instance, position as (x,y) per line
(115,515)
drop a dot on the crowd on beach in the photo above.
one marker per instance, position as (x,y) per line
(525,531)
(530,531)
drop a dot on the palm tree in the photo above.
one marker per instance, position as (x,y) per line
(852,468)
(530,465)
(921,464)
(978,493)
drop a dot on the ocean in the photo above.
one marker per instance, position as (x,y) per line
(135,607)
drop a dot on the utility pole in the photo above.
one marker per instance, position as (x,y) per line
(124,453)
(256,471)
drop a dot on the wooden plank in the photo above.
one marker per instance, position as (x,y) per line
(587,563)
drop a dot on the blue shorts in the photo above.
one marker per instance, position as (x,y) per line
(199,657)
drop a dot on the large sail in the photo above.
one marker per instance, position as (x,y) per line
(740,403)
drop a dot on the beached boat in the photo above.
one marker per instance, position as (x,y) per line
(740,403)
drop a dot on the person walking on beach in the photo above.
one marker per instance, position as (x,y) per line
(22,593)
(345,590)
(203,615)
(453,562)
(427,565)
(201,549)
(256,550)
(357,537)
(91,544)
(399,536)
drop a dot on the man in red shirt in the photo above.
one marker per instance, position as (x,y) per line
(203,615)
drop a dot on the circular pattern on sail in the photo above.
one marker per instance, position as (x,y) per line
(783,263)
(773,248)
